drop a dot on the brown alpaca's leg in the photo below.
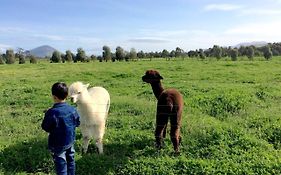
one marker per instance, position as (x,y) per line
(175,132)
(159,137)
(160,131)
(164,131)
(175,137)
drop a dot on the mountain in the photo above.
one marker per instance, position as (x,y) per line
(42,51)
(254,43)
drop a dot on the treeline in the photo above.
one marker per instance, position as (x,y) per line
(218,52)
(10,57)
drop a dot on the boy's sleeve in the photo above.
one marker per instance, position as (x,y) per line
(77,118)
(49,122)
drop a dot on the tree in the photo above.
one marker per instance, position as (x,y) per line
(20,55)
(68,56)
(141,54)
(157,54)
(207,52)
(93,57)
(10,56)
(202,54)
(113,57)
(2,61)
(217,52)
(150,55)
(133,54)
(20,51)
(63,57)
(106,53)
(228,51)
(267,53)
(99,58)
(165,54)
(276,49)
(179,52)
(233,54)
(250,52)
(32,59)
(223,51)
(56,57)
(120,54)
(258,53)
(192,53)
(173,54)
(127,56)
(81,55)
(21,59)
(242,51)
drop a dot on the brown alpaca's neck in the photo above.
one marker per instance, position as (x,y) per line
(157,89)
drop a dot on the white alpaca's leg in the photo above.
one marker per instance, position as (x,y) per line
(86,141)
(99,130)
(86,137)
(99,146)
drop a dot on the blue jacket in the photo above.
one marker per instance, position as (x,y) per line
(60,122)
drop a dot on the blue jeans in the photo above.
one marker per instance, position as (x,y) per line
(64,161)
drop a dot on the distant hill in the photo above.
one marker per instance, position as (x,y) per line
(42,51)
(254,43)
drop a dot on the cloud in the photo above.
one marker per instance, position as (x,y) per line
(4,47)
(89,40)
(278,1)
(260,31)
(148,40)
(11,29)
(222,7)
(260,12)
(169,35)
(245,10)
(49,37)
(262,28)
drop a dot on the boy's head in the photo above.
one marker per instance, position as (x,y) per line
(60,90)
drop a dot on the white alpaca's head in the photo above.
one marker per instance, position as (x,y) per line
(76,89)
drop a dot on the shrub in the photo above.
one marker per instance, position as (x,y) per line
(56,57)
(21,59)
(32,60)
(222,104)
(234,54)
(10,56)
(273,135)
(2,61)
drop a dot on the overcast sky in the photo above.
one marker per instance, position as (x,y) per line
(149,25)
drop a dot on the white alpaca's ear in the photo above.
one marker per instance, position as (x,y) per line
(87,85)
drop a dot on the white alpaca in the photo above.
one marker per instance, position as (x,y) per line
(93,106)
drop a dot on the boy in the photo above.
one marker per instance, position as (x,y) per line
(60,122)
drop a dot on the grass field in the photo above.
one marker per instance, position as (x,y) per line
(231,120)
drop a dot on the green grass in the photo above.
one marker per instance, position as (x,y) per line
(231,120)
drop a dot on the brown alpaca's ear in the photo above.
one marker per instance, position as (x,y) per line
(161,78)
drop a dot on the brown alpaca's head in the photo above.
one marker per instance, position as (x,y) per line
(151,76)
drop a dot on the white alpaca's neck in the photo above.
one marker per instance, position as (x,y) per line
(85,98)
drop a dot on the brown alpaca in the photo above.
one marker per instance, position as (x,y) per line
(169,106)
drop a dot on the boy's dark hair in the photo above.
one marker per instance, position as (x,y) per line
(60,90)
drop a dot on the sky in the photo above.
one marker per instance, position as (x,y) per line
(148,25)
